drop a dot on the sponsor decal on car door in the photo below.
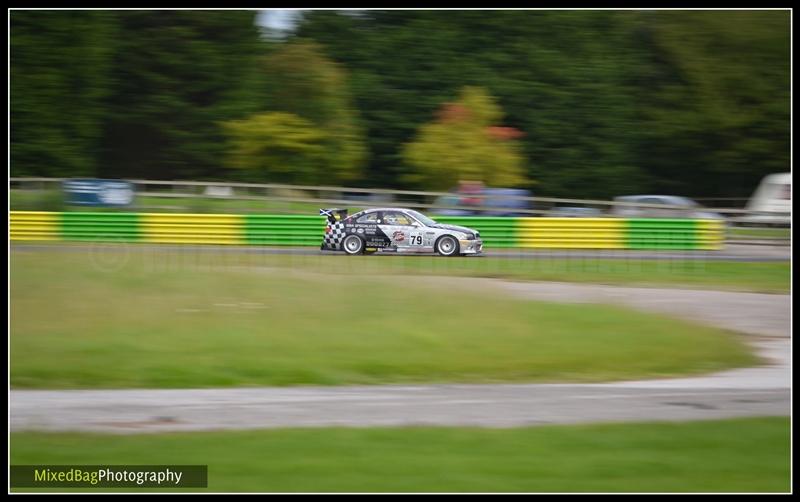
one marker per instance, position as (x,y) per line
(367,226)
(399,235)
(398,227)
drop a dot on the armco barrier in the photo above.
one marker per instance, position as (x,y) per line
(284,230)
(674,234)
(168,228)
(300,230)
(34,226)
(568,233)
(613,233)
(165,228)
(117,227)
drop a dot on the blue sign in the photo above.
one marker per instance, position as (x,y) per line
(91,192)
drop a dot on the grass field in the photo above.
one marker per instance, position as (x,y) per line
(76,323)
(742,455)
(764,233)
(627,269)
(763,277)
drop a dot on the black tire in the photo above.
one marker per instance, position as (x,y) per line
(447,245)
(353,245)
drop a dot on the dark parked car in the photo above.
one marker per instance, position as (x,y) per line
(673,207)
(574,212)
(494,202)
(506,202)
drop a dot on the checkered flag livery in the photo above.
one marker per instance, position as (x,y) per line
(334,236)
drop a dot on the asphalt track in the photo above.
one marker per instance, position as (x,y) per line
(733,252)
(761,391)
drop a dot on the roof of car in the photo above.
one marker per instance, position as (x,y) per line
(373,209)
(674,198)
(576,208)
(778,178)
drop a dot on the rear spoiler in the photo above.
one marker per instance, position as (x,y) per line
(332,213)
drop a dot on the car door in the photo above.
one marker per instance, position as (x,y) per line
(367,226)
(401,230)
(655,212)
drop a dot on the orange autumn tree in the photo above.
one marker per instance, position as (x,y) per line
(465,142)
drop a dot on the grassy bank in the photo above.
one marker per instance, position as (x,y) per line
(78,321)
(743,455)
(626,268)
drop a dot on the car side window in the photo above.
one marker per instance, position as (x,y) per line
(368,218)
(395,218)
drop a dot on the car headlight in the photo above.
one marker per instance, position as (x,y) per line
(469,237)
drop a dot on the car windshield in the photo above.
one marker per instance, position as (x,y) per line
(682,201)
(422,218)
(668,201)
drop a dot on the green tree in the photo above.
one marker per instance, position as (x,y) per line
(178,75)
(562,77)
(60,78)
(300,80)
(715,102)
(462,145)
(277,147)
(613,102)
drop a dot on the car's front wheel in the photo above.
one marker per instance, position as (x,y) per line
(353,244)
(447,246)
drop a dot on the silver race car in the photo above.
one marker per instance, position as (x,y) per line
(397,230)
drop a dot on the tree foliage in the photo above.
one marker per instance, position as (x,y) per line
(60,78)
(178,74)
(460,146)
(277,147)
(612,102)
(692,103)
(301,80)
(715,107)
(560,77)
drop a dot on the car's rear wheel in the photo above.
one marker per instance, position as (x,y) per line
(447,246)
(353,244)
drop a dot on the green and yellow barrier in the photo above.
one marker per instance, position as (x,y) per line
(572,233)
(34,226)
(165,228)
(117,227)
(304,230)
(283,230)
